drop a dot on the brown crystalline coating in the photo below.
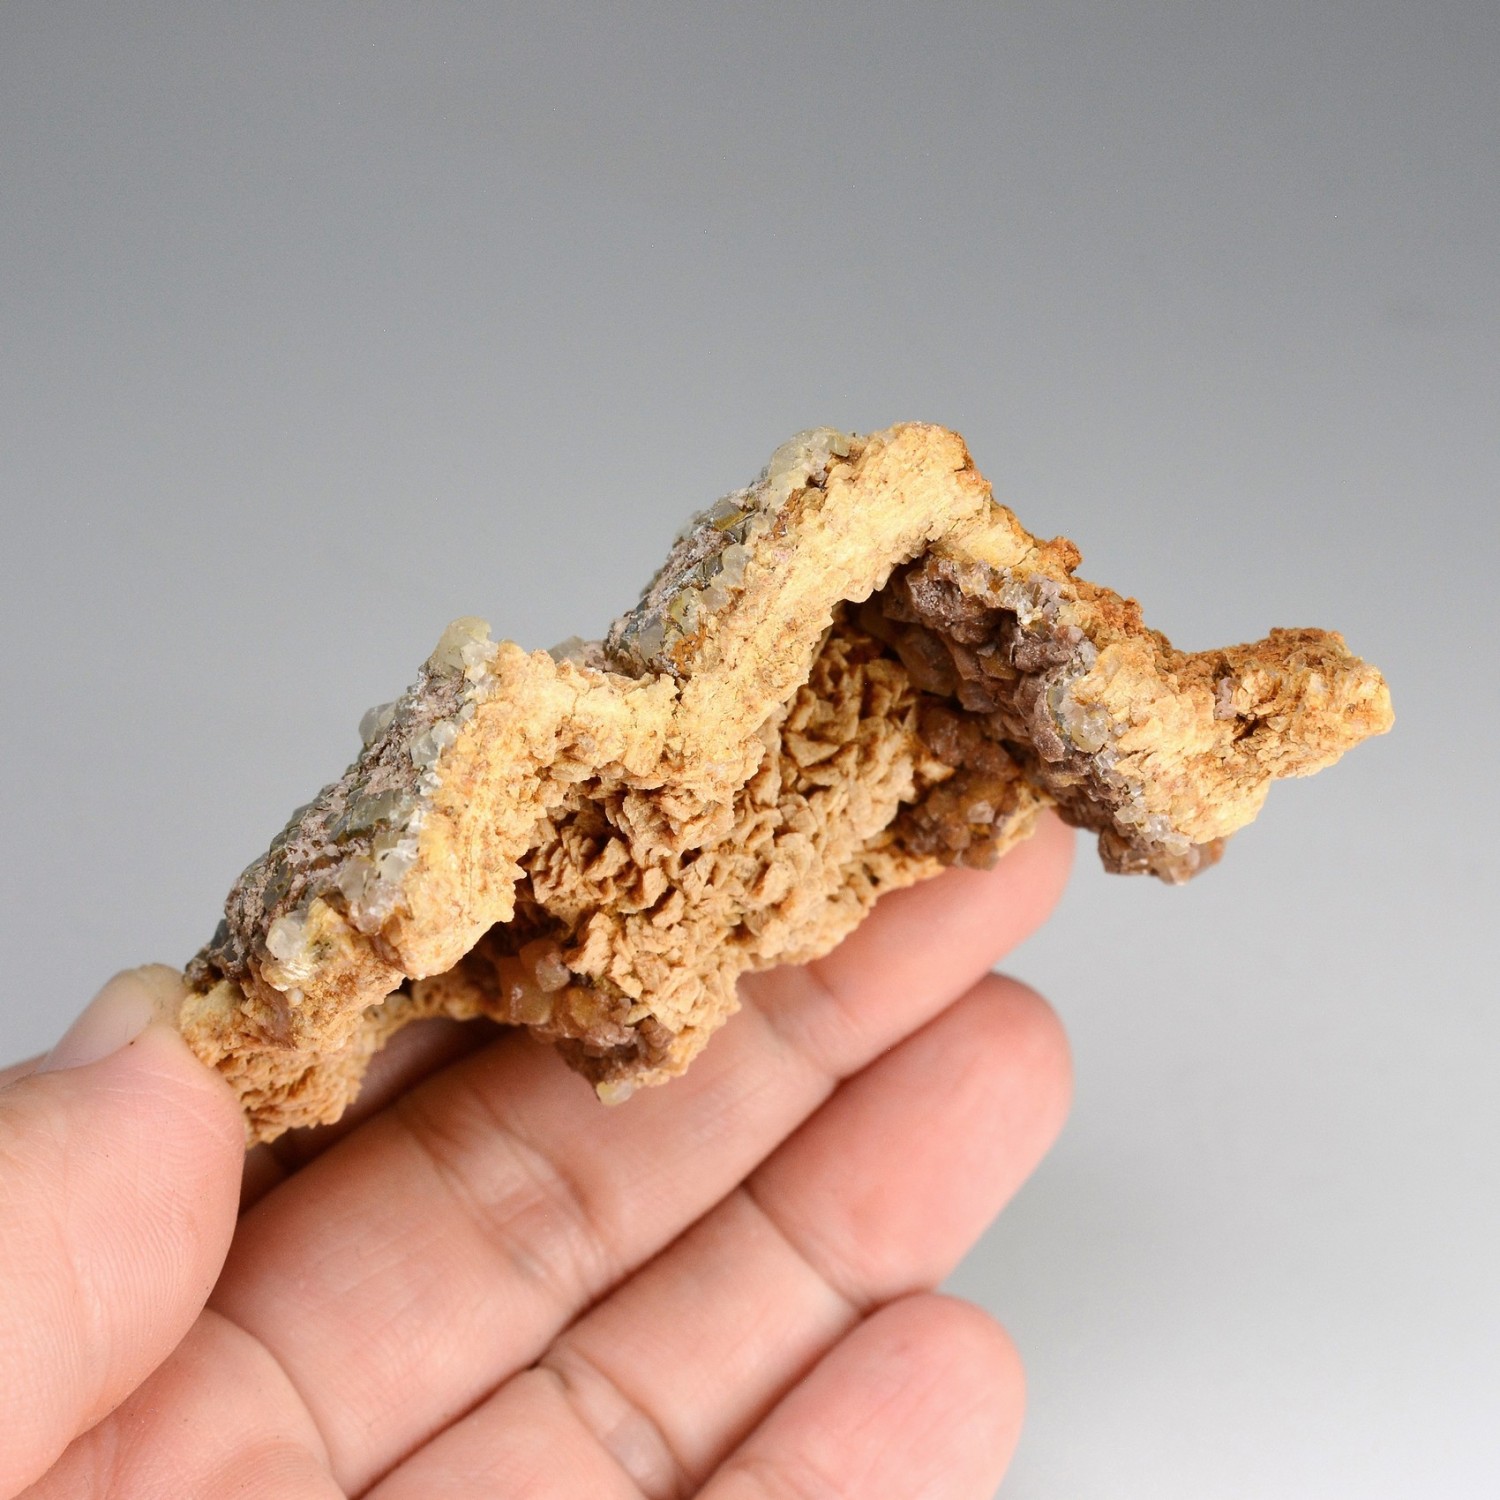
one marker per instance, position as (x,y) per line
(847,675)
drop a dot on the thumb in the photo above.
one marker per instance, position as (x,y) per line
(119,1178)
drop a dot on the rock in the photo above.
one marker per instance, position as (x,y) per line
(849,674)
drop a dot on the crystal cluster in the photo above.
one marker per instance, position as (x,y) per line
(847,675)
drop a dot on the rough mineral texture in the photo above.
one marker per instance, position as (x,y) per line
(851,673)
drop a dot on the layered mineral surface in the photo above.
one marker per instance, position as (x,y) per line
(851,673)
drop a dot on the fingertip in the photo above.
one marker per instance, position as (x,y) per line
(984,1367)
(127,1038)
(977,1346)
(959,1360)
(924,1397)
(121,1010)
(1035,1034)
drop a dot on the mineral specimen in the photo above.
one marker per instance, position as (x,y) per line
(851,673)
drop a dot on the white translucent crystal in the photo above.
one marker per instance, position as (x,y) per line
(285,938)
(572,649)
(355,877)
(1159,829)
(375,808)
(376,721)
(394,850)
(462,643)
(683,610)
(477,656)
(427,746)
(652,638)
(1087,726)
(287,943)
(732,562)
(795,462)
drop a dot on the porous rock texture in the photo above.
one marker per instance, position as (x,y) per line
(851,673)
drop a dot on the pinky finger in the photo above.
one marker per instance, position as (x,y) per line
(923,1399)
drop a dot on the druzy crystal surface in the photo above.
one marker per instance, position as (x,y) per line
(846,675)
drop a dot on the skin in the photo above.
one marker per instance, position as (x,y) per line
(481,1283)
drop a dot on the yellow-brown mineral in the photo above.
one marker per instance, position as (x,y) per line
(855,671)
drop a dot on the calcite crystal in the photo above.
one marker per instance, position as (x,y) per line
(851,673)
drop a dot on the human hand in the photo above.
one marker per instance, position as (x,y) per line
(482,1283)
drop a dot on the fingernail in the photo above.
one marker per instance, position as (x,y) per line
(118,1014)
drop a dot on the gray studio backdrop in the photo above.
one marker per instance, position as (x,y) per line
(324,323)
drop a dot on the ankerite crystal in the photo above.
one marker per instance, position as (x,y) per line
(855,671)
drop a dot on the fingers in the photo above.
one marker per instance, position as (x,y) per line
(408,1271)
(923,1399)
(217,1418)
(119,1167)
(887,1186)
(414,1053)
(878,1195)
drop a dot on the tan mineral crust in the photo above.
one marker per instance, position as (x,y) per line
(855,671)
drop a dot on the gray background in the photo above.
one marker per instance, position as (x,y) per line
(324,323)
